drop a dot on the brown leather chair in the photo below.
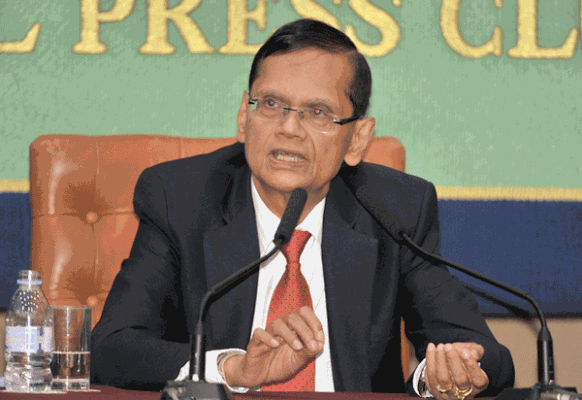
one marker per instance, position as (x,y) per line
(81,192)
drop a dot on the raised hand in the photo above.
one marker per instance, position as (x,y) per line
(278,352)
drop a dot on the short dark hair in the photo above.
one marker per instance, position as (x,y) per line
(306,33)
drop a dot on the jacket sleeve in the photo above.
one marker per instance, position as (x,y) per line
(140,340)
(441,309)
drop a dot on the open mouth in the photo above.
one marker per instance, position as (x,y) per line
(288,157)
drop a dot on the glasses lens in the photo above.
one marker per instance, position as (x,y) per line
(268,108)
(319,120)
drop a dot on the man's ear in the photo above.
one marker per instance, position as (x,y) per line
(241,118)
(361,138)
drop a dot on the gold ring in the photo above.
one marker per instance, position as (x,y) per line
(462,394)
(441,390)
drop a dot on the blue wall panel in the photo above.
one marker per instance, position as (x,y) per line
(14,241)
(535,246)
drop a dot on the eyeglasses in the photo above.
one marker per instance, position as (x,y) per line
(314,118)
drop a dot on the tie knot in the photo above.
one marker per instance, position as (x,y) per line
(292,250)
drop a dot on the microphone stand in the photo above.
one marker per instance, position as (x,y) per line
(545,389)
(195,387)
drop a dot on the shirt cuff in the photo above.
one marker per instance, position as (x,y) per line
(416,378)
(211,370)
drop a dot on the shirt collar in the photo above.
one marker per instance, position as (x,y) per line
(268,222)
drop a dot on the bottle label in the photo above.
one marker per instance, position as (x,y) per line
(29,339)
(27,283)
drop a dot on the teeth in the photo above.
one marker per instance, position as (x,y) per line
(288,157)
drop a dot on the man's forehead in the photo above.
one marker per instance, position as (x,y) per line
(311,70)
(299,57)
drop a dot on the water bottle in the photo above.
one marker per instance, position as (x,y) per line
(29,337)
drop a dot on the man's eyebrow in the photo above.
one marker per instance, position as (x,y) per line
(318,102)
(270,93)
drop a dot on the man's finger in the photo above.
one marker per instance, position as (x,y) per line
(477,376)
(444,380)
(473,350)
(306,334)
(439,388)
(262,336)
(280,328)
(314,323)
(261,343)
(430,371)
(456,368)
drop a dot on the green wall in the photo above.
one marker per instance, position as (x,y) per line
(490,121)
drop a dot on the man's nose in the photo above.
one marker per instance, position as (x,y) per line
(291,124)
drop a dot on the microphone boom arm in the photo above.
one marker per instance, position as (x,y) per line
(545,344)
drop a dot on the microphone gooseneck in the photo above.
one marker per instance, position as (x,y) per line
(545,344)
(196,386)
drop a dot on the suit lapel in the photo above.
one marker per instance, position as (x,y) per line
(349,263)
(227,250)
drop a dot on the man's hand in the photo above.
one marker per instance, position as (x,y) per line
(453,371)
(279,352)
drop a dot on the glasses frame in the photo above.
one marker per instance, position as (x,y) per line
(336,119)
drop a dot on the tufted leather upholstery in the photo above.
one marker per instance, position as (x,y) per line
(81,193)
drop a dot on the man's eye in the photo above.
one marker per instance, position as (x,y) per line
(270,103)
(318,113)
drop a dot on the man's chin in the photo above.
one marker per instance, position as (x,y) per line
(288,188)
(283,184)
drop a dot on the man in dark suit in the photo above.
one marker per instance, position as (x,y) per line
(302,124)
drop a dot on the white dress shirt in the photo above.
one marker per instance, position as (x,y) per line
(312,269)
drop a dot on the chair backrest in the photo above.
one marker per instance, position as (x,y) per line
(81,192)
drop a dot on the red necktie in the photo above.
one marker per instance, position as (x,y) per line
(292,293)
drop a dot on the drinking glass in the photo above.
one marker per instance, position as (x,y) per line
(71,351)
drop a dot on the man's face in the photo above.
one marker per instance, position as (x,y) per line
(284,153)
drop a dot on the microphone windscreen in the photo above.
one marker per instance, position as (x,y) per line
(291,215)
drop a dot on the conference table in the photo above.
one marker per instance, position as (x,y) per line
(107,393)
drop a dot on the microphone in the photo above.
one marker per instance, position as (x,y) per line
(291,215)
(545,389)
(196,386)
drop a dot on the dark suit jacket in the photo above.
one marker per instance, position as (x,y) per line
(197,226)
